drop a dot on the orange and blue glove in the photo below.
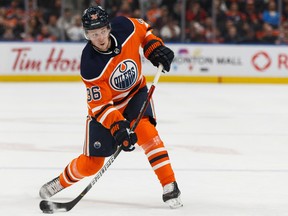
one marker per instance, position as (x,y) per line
(157,53)
(123,135)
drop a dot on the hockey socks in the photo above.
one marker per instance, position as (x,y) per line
(79,168)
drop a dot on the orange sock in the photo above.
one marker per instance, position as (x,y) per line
(155,151)
(79,168)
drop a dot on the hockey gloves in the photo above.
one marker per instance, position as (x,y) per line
(157,53)
(123,135)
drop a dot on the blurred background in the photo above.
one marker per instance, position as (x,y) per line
(232,41)
(206,21)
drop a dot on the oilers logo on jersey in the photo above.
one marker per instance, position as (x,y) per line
(97,145)
(124,76)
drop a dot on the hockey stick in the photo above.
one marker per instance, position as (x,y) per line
(51,207)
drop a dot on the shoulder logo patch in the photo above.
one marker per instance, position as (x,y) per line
(141,21)
(124,76)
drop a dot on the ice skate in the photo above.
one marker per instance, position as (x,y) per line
(171,195)
(50,188)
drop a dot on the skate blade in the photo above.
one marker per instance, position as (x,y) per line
(174,203)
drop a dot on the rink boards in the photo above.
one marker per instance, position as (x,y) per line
(52,62)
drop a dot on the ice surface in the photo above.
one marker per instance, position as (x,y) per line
(228,145)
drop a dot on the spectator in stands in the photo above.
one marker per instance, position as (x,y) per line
(27,37)
(2,26)
(169,4)
(236,16)
(269,35)
(177,11)
(207,5)
(112,7)
(283,37)
(253,17)
(285,10)
(14,21)
(163,19)
(195,13)
(232,36)
(248,34)
(53,28)
(153,13)
(75,33)
(8,34)
(65,22)
(125,9)
(170,32)
(55,8)
(45,35)
(195,33)
(220,13)
(217,36)
(208,30)
(271,15)
(12,8)
(39,14)
(34,26)
(18,29)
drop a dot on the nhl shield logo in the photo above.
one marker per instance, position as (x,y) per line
(124,76)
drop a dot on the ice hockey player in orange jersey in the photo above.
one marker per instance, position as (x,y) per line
(116,90)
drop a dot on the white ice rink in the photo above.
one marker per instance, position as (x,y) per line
(228,145)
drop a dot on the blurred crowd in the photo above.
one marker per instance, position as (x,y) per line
(229,21)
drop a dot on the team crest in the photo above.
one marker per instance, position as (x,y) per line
(97,145)
(94,17)
(124,76)
(141,21)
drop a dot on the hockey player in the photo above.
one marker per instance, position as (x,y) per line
(116,90)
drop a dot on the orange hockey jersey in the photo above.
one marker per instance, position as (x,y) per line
(113,77)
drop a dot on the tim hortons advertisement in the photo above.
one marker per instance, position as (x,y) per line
(40,58)
(190,60)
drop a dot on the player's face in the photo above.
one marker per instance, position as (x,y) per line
(100,38)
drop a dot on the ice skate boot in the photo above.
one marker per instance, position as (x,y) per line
(50,188)
(171,195)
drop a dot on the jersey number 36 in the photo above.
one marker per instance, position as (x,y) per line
(93,93)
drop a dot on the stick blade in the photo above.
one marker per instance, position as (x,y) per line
(49,207)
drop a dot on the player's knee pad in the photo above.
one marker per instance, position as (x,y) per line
(88,165)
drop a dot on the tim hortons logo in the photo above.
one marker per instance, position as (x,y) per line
(55,61)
